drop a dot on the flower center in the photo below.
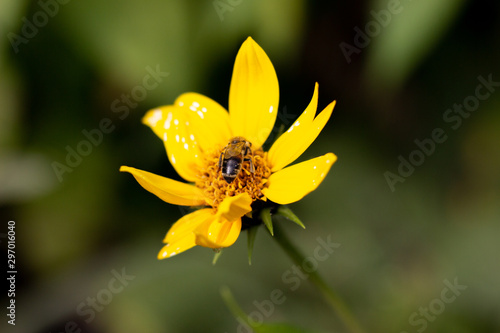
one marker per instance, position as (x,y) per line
(216,186)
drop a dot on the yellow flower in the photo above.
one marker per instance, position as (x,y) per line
(196,131)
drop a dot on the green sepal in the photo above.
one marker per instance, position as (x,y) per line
(218,253)
(251,233)
(288,214)
(265,216)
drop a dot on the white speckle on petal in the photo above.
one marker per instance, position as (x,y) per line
(201,114)
(191,137)
(168,120)
(192,108)
(176,122)
(196,104)
(327,161)
(172,254)
(165,136)
(297,123)
(178,248)
(155,118)
(172,158)
(186,146)
(165,254)
(322,175)
(181,103)
(314,168)
(210,234)
(271,109)
(183,139)
(187,123)
(177,138)
(204,109)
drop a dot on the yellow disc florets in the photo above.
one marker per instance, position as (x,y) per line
(216,188)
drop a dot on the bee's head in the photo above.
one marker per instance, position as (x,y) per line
(237,139)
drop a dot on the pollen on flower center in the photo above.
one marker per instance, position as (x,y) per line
(216,188)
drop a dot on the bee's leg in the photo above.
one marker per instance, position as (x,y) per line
(219,165)
(252,168)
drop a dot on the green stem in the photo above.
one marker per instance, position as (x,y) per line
(233,306)
(330,296)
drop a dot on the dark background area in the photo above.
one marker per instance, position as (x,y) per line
(401,238)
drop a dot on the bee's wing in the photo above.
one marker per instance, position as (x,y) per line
(234,149)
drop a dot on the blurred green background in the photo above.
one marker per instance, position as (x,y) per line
(399,242)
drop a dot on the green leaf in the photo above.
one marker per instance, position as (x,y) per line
(405,38)
(288,214)
(251,233)
(265,216)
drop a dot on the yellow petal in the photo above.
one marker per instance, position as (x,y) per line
(254,94)
(224,228)
(216,234)
(186,225)
(284,142)
(168,190)
(208,120)
(233,208)
(291,144)
(294,182)
(171,124)
(156,120)
(181,235)
(181,245)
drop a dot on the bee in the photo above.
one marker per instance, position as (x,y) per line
(237,151)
